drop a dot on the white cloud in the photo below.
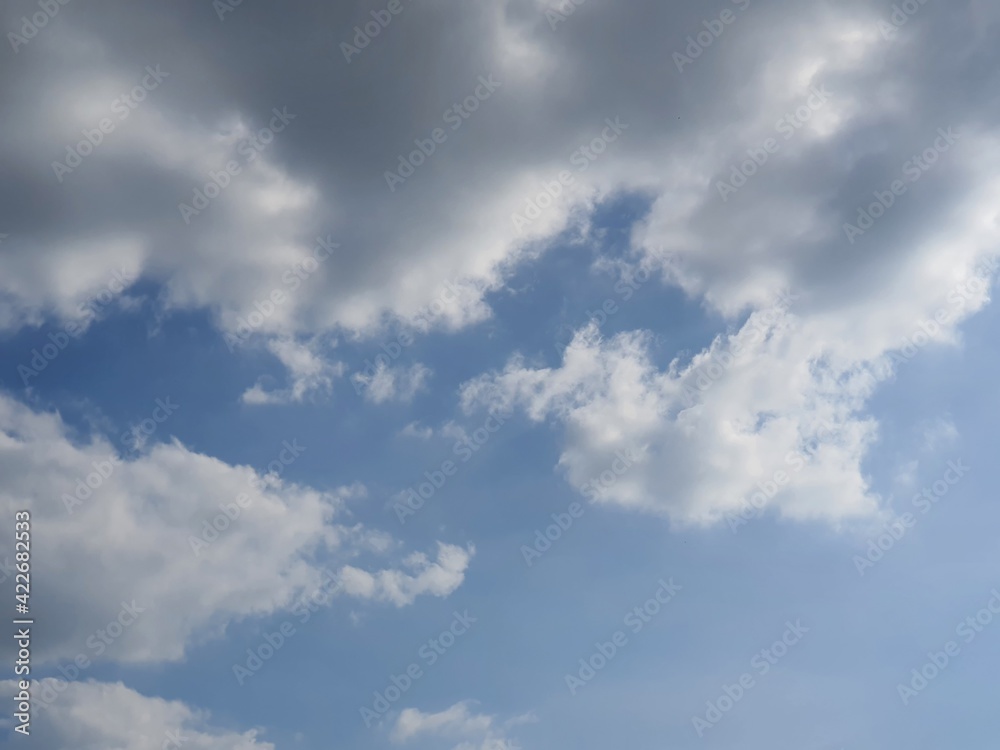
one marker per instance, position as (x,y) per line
(438,578)
(906,474)
(476,731)
(310,374)
(99,716)
(454,720)
(937,434)
(708,432)
(132,539)
(392,383)
(414,430)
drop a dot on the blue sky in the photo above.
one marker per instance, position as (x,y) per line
(748,352)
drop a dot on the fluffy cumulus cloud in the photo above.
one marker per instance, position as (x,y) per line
(97,716)
(155,552)
(693,441)
(770,414)
(458,723)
